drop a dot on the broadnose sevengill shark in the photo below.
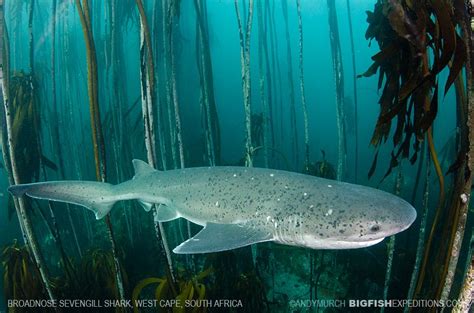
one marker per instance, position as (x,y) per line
(240,206)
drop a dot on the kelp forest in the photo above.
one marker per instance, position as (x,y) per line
(372,92)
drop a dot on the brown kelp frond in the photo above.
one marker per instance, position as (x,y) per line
(189,289)
(274,151)
(97,275)
(21,278)
(322,168)
(26,128)
(92,88)
(407,33)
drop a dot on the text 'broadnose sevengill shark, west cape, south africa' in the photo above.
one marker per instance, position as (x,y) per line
(240,206)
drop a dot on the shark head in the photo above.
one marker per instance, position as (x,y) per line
(365,221)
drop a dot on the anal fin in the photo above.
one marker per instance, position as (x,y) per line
(221,237)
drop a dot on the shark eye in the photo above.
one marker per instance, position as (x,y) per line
(374,228)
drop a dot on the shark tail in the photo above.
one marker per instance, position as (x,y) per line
(95,196)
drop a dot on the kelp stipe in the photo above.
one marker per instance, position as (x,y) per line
(96,124)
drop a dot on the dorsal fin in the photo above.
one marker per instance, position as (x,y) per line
(141,168)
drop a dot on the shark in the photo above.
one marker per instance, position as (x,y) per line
(241,206)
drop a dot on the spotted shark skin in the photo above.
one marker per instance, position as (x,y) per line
(239,206)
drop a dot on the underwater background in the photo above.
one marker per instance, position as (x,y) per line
(93,85)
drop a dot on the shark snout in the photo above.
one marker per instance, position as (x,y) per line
(400,218)
(408,216)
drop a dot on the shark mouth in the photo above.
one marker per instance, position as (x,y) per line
(360,244)
(342,244)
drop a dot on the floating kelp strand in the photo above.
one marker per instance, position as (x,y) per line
(56,142)
(388,271)
(9,145)
(354,73)
(268,118)
(198,56)
(421,163)
(166,11)
(174,88)
(98,140)
(55,116)
(245,70)
(270,65)
(71,116)
(263,100)
(439,173)
(147,84)
(467,290)
(118,93)
(210,83)
(68,114)
(147,78)
(339,84)
(203,101)
(161,104)
(391,245)
(276,72)
(466,294)
(302,88)
(462,196)
(30,36)
(92,89)
(212,133)
(53,229)
(291,86)
(423,223)
(448,251)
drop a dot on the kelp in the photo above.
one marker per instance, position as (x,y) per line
(423,222)
(92,278)
(26,128)
(21,278)
(321,168)
(407,33)
(8,153)
(290,82)
(338,73)
(302,86)
(96,124)
(147,70)
(173,17)
(189,289)
(244,36)
(97,277)
(262,121)
(203,54)
(354,86)
(391,243)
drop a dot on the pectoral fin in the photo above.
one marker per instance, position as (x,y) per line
(166,213)
(221,237)
(147,206)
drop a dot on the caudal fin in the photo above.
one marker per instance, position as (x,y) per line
(95,196)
